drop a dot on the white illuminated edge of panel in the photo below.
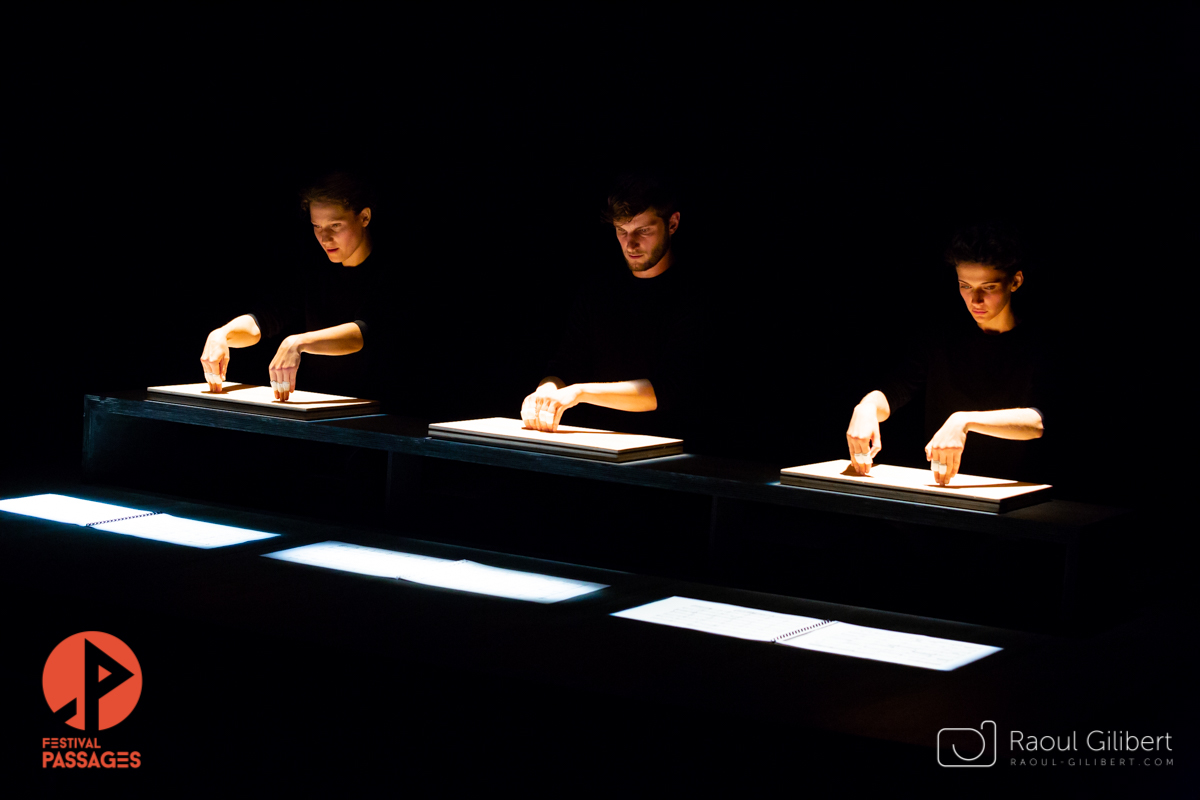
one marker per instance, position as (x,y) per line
(71,510)
(189,532)
(465,576)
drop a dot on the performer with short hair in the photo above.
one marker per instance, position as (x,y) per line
(323,309)
(984,377)
(630,337)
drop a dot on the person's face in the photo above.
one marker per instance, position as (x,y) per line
(987,292)
(339,231)
(646,242)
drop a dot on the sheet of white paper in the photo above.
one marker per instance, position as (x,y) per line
(720,618)
(177,530)
(895,647)
(467,576)
(363,560)
(72,510)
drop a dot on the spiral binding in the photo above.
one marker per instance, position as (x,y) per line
(122,519)
(804,630)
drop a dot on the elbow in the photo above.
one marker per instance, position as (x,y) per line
(250,326)
(875,401)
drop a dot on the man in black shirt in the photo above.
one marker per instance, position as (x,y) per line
(324,307)
(984,378)
(631,334)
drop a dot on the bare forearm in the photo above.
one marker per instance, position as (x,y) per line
(862,437)
(542,410)
(635,395)
(241,331)
(876,403)
(1009,423)
(340,340)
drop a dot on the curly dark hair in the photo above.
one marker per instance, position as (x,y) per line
(993,244)
(636,192)
(346,189)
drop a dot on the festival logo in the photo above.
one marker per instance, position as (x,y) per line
(92,681)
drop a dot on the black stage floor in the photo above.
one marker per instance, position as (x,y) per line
(264,675)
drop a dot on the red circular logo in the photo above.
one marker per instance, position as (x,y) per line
(92,681)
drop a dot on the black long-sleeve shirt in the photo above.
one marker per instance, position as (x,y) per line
(625,328)
(324,295)
(962,368)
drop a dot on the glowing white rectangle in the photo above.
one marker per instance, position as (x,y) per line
(189,532)
(362,560)
(809,633)
(895,647)
(72,510)
(722,619)
(467,576)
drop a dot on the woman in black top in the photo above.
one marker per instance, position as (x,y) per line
(985,378)
(327,308)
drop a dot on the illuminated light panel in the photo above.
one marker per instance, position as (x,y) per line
(465,576)
(72,510)
(808,633)
(722,619)
(362,560)
(894,647)
(130,521)
(189,532)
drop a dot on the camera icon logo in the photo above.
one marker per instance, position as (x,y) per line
(967,747)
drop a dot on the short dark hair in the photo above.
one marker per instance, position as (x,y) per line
(346,189)
(636,192)
(993,244)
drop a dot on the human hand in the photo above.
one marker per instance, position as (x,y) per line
(215,359)
(863,438)
(945,449)
(542,410)
(284,367)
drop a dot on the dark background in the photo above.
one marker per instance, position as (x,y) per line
(825,163)
(826,159)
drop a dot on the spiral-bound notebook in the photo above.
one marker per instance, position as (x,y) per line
(462,575)
(130,521)
(810,633)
